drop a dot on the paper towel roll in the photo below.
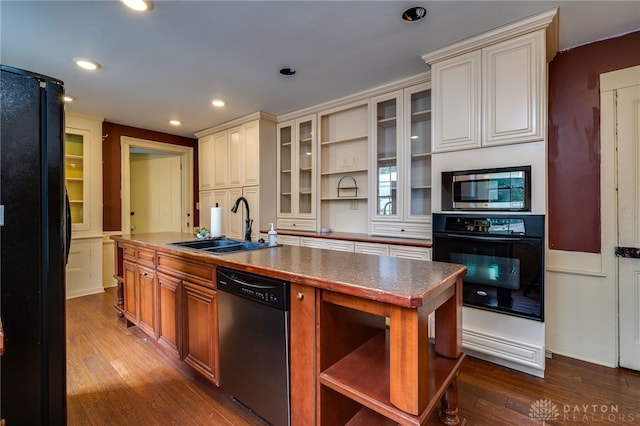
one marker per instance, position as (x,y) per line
(216,221)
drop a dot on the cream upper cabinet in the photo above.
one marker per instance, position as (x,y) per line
(296,173)
(492,89)
(205,162)
(514,84)
(239,159)
(456,102)
(220,160)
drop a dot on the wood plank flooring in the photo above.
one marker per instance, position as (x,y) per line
(118,376)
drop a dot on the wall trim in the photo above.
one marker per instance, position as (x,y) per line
(509,353)
(85,292)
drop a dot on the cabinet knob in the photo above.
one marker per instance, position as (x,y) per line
(300,295)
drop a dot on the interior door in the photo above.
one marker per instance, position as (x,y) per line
(156,192)
(628,251)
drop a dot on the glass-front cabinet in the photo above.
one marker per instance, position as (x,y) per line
(77,178)
(418,122)
(296,174)
(401,161)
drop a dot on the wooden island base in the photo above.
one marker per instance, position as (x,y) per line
(360,352)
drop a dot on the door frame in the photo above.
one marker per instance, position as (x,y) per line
(186,153)
(609,83)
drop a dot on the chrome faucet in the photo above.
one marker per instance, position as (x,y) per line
(249,222)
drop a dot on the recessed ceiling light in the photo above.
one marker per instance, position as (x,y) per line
(287,71)
(138,5)
(175,122)
(414,14)
(86,64)
(68,98)
(217,103)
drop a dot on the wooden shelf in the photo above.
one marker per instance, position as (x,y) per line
(346,140)
(363,376)
(344,172)
(342,198)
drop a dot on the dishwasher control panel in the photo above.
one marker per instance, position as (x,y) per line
(266,290)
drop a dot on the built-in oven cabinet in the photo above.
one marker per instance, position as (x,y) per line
(401,163)
(491,90)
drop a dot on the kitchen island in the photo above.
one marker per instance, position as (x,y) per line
(359,324)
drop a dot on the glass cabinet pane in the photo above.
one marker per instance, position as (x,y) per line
(75,175)
(420,158)
(285,140)
(387,158)
(305,168)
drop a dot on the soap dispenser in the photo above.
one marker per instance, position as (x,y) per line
(273,236)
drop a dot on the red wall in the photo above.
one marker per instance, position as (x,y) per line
(111,171)
(574,139)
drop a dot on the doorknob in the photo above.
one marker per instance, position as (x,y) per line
(630,252)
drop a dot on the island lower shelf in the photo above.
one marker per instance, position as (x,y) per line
(363,376)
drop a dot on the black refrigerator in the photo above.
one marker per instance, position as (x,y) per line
(34,236)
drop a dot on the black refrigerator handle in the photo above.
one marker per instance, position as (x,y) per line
(67,242)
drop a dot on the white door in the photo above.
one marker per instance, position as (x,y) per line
(156,192)
(627,119)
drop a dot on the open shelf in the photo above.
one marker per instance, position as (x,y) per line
(346,140)
(352,377)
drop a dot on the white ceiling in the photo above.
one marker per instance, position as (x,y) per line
(172,61)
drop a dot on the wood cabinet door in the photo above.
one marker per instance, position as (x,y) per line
(251,167)
(205,162)
(147,295)
(130,292)
(303,360)
(235,156)
(169,312)
(200,329)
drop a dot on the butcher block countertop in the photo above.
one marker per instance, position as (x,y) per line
(401,282)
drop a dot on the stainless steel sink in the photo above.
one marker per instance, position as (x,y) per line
(220,245)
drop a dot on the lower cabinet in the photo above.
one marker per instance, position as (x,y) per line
(200,329)
(170,312)
(147,296)
(130,291)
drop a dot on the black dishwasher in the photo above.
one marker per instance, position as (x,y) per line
(253,319)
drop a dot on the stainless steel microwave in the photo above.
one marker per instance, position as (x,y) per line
(507,188)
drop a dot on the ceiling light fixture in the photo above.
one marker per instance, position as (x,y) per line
(287,71)
(175,122)
(138,5)
(217,103)
(414,14)
(68,98)
(86,64)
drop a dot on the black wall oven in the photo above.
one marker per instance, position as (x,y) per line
(504,256)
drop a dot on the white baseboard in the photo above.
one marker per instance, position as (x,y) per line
(84,292)
(519,356)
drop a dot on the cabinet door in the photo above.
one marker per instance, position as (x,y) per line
(77,176)
(220,172)
(235,157)
(169,312)
(130,292)
(386,152)
(372,248)
(251,167)
(303,361)
(305,173)
(513,77)
(221,198)
(205,162)
(236,220)
(285,168)
(200,329)
(456,102)
(147,294)
(252,194)
(407,252)
(417,138)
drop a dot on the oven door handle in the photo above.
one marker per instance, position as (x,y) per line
(484,238)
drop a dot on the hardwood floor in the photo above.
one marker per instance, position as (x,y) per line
(118,376)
